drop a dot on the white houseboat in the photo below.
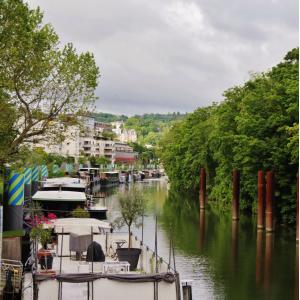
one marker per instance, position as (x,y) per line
(60,202)
(74,276)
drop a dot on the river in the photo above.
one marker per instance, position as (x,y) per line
(224,259)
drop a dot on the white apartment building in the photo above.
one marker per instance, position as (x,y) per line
(88,141)
(124,135)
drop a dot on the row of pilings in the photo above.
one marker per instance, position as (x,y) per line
(265,199)
(265,226)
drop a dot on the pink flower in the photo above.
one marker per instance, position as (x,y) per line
(52,216)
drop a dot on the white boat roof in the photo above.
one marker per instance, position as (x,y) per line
(64,181)
(59,196)
(78,225)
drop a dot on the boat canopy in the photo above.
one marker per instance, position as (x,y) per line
(78,225)
(64,182)
(59,196)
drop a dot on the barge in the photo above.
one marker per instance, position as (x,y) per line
(75,276)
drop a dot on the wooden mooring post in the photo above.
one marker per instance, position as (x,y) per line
(269,201)
(261,205)
(202,188)
(297,208)
(235,194)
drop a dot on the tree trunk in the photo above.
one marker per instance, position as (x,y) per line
(129,238)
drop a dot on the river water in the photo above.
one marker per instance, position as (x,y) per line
(224,259)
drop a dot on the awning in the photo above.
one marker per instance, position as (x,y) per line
(78,225)
(59,196)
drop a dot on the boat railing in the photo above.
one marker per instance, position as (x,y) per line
(111,241)
(103,280)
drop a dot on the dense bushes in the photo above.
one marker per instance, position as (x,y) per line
(255,127)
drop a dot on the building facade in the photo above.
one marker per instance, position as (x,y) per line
(124,135)
(89,141)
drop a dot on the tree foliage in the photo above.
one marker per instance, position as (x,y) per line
(151,127)
(255,127)
(132,204)
(108,118)
(47,84)
(98,160)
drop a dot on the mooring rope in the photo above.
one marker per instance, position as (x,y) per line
(156,262)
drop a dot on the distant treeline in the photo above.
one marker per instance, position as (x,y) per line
(107,118)
(149,127)
(255,127)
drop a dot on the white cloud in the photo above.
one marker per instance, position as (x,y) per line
(184,16)
(160,56)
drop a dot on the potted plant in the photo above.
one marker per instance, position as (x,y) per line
(132,206)
(42,236)
(79,212)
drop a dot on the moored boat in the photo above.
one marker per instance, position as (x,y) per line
(77,275)
(60,202)
(109,179)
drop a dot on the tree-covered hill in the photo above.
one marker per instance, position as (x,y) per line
(149,127)
(255,127)
(108,118)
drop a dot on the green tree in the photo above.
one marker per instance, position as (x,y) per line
(255,127)
(99,160)
(48,85)
(109,135)
(132,205)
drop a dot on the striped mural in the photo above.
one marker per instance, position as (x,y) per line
(16,189)
(44,171)
(69,168)
(28,175)
(35,173)
(55,169)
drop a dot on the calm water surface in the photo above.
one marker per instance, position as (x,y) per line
(225,260)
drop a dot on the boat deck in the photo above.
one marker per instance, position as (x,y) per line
(112,279)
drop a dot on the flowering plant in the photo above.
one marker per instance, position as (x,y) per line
(40,220)
(38,232)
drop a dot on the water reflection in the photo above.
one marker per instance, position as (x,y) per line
(234,244)
(259,257)
(268,260)
(225,259)
(236,260)
(296,290)
(202,229)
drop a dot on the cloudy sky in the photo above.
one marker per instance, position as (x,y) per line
(168,55)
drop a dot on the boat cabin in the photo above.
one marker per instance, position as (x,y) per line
(60,202)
